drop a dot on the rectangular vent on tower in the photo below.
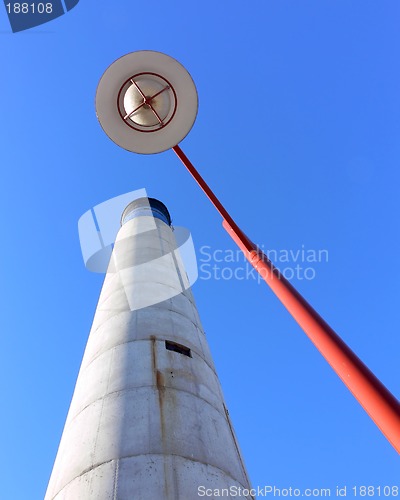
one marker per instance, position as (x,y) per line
(173,346)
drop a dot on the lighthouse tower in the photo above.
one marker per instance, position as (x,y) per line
(147,419)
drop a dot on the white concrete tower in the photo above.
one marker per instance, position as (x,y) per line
(147,419)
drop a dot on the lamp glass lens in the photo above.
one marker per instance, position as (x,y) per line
(147,87)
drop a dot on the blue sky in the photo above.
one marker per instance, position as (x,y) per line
(298,133)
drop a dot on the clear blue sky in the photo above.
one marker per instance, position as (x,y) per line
(298,132)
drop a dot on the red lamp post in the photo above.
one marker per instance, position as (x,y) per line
(374,397)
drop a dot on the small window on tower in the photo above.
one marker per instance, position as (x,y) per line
(173,346)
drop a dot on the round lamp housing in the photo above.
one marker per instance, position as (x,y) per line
(146,102)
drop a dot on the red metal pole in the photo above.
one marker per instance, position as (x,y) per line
(374,397)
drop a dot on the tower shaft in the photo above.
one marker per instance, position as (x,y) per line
(147,419)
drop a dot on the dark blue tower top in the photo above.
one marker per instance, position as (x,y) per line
(146,206)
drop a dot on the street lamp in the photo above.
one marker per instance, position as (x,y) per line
(146,102)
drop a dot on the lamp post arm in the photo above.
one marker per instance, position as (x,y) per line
(211,196)
(374,397)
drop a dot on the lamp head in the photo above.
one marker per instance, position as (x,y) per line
(146,102)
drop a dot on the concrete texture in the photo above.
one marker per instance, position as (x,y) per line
(146,422)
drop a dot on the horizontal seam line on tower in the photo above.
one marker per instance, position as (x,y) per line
(144,387)
(146,340)
(138,280)
(170,310)
(191,459)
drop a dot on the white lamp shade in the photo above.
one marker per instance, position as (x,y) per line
(146,102)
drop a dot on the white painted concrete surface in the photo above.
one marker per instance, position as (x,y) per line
(146,422)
